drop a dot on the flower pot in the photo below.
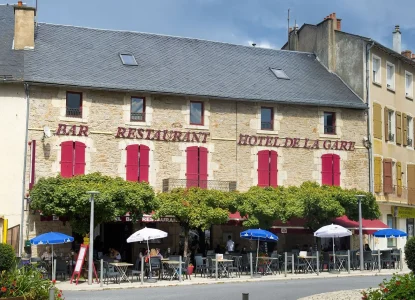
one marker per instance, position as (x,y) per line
(190,270)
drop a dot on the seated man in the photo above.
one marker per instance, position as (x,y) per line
(115,255)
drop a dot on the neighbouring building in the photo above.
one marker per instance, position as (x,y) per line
(180,112)
(383,77)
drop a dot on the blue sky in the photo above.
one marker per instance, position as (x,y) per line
(234,21)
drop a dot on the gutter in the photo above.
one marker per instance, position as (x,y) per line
(369,118)
(26,89)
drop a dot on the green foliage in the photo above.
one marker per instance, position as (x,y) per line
(410,253)
(398,287)
(67,197)
(26,282)
(195,208)
(7,257)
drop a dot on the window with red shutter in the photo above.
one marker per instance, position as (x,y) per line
(330,169)
(72,158)
(138,163)
(267,168)
(197,167)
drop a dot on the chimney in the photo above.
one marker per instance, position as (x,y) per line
(24,26)
(397,39)
(407,53)
(337,23)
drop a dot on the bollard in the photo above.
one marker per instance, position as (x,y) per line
(250,265)
(52,293)
(285,264)
(142,270)
(348,261)
(318,262)
(54,269)
(245,296)
(180,268)
(292,263)
(400,259)
(101,274)
(216,267)
(379,265)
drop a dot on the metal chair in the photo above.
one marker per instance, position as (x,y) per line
(386,259)
(368,259)
(200,266)
(109,272)
(61,268)
(156,266)
(137,269)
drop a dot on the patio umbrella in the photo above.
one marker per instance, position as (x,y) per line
(332,231)
(51,238)
(258,235)
(147,234)
(390,233)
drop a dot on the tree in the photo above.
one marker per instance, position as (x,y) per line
(195,208)
(67,197)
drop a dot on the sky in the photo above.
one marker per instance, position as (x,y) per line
(244,22)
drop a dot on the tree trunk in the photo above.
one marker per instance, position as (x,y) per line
(186,241)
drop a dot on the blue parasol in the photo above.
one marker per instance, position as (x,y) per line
(390,233)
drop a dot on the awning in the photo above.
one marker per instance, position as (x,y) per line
(236,217)
(368,226)
(294,225)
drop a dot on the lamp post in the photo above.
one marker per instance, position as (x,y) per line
(91,236)
(359,198)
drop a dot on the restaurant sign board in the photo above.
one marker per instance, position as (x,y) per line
(403,212)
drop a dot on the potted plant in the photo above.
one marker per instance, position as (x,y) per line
(190,269)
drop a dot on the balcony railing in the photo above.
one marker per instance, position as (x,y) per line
(402,194)
(74,112)
(225,186)
(267,126)
(137,116)
(330,129)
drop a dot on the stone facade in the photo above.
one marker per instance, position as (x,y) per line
(224,122)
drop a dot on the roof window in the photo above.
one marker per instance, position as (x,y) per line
(128,59)
(280,74)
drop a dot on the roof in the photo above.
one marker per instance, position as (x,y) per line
(85,57)
(11,61)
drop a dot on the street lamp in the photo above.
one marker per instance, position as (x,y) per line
(91,235)
(359,198)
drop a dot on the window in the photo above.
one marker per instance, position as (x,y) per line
(267,168)
(387,176)
(377,121)
(409,131)
(138,112)
(411,183)
(390,76)
(408,85)
(72,158)
(391,222)
(197,167)
(196,113)
(390,115)
(137,166)
(377,174)
(280,74)
(267,118)
(74,104)
(128,59)
(410,227)
(329,123)
(330,169)
(376,69)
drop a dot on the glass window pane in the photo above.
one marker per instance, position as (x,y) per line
(137,105)
(73,100)
(128,59)
(266,118)
(329,126)
(196,112)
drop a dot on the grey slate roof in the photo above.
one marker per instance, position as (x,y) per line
(76,56)
(11,61)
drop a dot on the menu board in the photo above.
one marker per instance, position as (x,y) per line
(81,258)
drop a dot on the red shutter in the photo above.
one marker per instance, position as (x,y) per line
(67,154)
(203,167)
(132,163)
(263,168)
(192,168)
(144,163)
(273,169)
(336,170)
(327,169)
(79,168)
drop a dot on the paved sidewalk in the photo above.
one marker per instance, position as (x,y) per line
(340,295)
(83,286)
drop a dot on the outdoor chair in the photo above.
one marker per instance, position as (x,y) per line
(185,269)
(137,269)
(396,258)
(300,264)
(386,259)
(275,263)
(368,259)
(156,266)
(235,266)
(245,263)
(200,267)
(110,273)
(61,268)
(327,261)
(175,257)
(354,260)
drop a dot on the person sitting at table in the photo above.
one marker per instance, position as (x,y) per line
(47,255)
(367,248)
(153,252)
(159,253)
(114,254)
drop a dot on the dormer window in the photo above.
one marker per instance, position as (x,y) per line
(280,74)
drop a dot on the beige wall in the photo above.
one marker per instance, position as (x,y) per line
(13,125)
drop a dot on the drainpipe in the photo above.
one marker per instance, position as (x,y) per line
(369,118)
(26,89)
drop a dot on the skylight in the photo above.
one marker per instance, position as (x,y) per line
(280,74)
(128,59)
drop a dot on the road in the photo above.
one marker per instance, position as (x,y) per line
(282,290)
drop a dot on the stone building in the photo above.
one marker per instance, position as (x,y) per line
(185,112)
(383,77)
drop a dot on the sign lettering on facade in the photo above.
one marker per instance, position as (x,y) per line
(162,135)
(72,130)
(403,212)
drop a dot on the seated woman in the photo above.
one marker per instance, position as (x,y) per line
(47,255)
(115,255)
(367,248)
(159,253)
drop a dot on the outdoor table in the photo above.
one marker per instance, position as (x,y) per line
(174,265)
(221,265)
(309,261)
(341,260)
(122,269)
(268,263)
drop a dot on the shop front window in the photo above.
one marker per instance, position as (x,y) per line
(410,227)
(391,222)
